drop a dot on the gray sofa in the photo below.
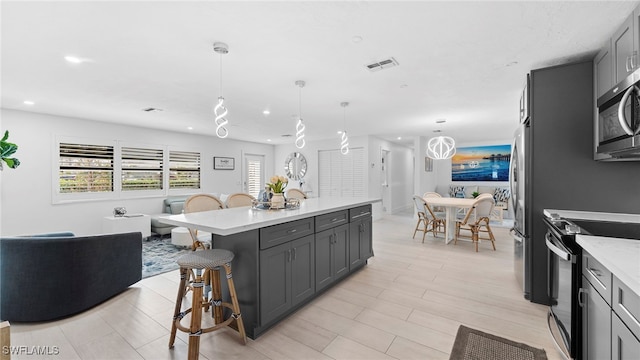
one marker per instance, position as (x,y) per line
(50,276)
(170,205)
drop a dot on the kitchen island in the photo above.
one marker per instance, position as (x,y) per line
(286,258)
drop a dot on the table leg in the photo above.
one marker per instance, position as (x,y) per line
(447,229)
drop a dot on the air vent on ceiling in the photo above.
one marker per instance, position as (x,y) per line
(384,64)
(151,109)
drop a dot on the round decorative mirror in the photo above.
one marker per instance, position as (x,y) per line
(295,166)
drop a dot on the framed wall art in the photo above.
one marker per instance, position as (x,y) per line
(224,163)
(428,164)
(481,163)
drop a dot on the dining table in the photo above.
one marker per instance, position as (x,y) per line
(451,206)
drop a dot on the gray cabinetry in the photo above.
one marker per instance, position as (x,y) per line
(332,255)
(286,277)
(596,324)
(360,237)
(623,51)
(624,346)
(625,322)
(604,70)
(610,314)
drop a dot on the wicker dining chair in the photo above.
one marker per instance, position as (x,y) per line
(427,218)
(198,203)
(239,199)
(477,221)
(296,194)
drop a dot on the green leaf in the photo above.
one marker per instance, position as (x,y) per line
(12,162)
(6,136)
(7,149)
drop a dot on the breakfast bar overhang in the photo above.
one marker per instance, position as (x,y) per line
(285,258)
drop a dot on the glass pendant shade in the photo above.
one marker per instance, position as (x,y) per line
(441,147)
(344,141)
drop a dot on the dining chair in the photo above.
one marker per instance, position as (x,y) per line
(479,223)
(434,194)
(295,194)
(198,203)
(239,199)
(427,218)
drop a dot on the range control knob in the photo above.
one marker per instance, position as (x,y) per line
(572,229)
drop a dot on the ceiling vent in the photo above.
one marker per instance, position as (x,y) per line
(384,64)
(152,109)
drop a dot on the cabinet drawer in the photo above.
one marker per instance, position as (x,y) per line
(598,275)
(281,233)
(359,213)
(328,221)
(626,304)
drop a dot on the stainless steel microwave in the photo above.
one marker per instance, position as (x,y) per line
(619,120)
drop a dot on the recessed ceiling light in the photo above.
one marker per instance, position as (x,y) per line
(356,39)
(399,137)
(28,102)
(269,140)
(189,127)
(339,131)
(266,112)
(73,59)
(437,131)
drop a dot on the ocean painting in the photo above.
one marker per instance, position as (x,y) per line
(481,163)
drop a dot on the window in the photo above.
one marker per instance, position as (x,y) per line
(99,169)
(85,168)
(254,174)
(141,169)
(184,170)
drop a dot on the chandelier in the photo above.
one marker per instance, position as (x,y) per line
(220,110)
(441,147)
(344,143)
(300,125)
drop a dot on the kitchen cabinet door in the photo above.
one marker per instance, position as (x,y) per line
(622,47)
(302,269)
(596,324)
(275,282)
(360,242)
(624,346)
(332,255)
(604,70)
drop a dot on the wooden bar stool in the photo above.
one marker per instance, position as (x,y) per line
(210,261)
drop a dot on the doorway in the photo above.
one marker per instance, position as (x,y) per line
(384,176)
(253,174)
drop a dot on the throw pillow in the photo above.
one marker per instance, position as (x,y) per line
(501,194)
(454,190)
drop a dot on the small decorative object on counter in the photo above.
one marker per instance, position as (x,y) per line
(277,201)
(119,211)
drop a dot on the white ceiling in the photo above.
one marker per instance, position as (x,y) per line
(461,61)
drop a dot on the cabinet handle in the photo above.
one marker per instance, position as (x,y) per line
(633,59)
(595,272)
(289,255)
(626,64)
(292,231)
(623,122)
(294,254)
(334,220)
(580,293)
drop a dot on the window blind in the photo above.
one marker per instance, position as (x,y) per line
(341,175)
(141,169)
(184,170)
(254,177)
(85,168)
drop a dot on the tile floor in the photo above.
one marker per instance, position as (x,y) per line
(407,303)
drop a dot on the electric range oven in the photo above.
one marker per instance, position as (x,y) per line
(565,274)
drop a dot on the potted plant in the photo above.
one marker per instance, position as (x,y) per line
(277,185)
(475,194)
(6,150)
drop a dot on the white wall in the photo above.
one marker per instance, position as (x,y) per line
(26,193)
(424,181)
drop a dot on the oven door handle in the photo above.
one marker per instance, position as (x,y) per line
(623,122)
(561,253)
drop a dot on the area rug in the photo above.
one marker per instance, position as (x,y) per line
(159,255)
(471,344)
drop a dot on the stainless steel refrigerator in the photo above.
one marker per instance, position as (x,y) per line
(552,167)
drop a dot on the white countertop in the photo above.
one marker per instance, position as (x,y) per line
(620,256)
(236,220)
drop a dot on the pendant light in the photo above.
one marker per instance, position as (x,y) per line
(441,147)
(220,110)
(300,125)
(344,143)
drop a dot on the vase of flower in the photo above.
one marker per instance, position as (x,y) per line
(277,201)
(277,185)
